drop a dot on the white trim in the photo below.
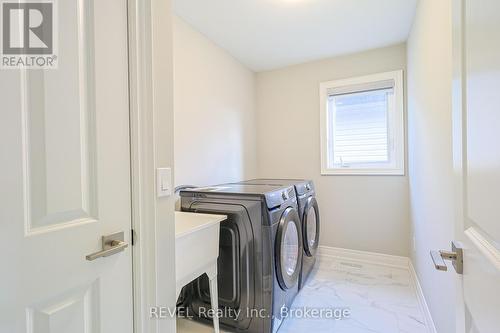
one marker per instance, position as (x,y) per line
(152,218)
(459,144)
(390,261)
(363,171)
(485,246)
(429,322)
(397,125)
(142,162)
(364,256)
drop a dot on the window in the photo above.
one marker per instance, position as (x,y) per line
(362,126)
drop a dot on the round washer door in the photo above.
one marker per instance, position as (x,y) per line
(310,227)
(288,249)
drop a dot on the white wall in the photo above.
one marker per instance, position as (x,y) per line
(430,153)
(214,112)
(357,212)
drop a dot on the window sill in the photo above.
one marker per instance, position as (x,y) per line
(362,172)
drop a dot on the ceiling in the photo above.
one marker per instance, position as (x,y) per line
(269,34)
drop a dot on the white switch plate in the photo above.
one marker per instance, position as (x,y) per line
(164,182)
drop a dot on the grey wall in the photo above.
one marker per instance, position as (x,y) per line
(430,153)
(214,112)
(357,212)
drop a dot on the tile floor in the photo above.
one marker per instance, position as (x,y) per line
(380,299)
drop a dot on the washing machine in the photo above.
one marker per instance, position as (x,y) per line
(309,215)
(260,255)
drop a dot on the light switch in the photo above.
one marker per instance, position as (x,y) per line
(164,182)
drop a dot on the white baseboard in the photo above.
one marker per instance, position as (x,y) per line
(385,260)
(363,256)
(421,299)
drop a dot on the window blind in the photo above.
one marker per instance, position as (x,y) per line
(359,126)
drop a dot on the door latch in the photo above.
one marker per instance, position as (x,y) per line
(456,256)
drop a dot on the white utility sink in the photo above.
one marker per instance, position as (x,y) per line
(197,250)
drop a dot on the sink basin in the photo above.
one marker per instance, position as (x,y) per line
(196,246)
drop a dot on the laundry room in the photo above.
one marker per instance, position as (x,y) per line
(250,166)
(257,96)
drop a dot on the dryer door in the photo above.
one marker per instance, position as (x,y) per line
(288,249)
(310,227)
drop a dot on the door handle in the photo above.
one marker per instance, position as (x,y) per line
(111,244)
(438,261)
(456,256)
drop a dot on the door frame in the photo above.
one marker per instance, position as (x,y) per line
(459,127)
(151,145)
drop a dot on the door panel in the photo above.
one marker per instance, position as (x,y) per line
(476,137)
(74,312)
(58,110)
(65,179)
(483,114)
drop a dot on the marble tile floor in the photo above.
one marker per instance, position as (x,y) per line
(378,299)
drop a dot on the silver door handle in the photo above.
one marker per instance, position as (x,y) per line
(456,256)
(111,244)
(438,261)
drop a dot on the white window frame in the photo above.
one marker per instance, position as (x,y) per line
(396,125)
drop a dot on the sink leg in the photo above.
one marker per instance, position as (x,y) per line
(214,298)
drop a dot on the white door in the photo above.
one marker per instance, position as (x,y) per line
(477,152)
(65,180)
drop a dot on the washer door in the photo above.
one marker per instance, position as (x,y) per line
(310,227)
(288,249)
